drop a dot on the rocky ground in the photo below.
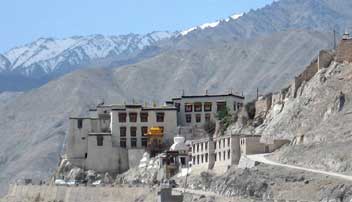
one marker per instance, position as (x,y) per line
(273,182)
(318,122)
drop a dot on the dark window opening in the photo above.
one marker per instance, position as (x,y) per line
(144,117)
(133,131)
(133,142)
(198,107)
(207,117)
(188,118)
(221,106)
(100,140)
(188,108)
(122,117)
(160,117)
(207,106)
(133,117)
(86,155)
(198,118)
(79,123)
(123,142)
(144,130)
(144,142)
(123,131)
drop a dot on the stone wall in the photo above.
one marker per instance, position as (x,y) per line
(34,193)
(306,75)
(344,51)
(262,105)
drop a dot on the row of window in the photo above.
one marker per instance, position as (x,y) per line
(133,141)
(220,143)
(133,116)
(207,106)
(204,158)
(198,118)
(133,131)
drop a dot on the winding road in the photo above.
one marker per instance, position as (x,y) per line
(262,159)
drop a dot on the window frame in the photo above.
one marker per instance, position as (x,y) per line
(100,141)
(133,117)
(120,117)
(188,118)
(157,115)
(144,116)
(210,106)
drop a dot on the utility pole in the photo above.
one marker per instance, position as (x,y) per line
(334,39)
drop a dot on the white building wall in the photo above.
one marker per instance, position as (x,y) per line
(106,158)
(77,141)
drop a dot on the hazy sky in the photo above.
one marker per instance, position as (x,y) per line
(22,21)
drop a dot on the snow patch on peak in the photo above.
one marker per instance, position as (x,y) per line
(210,24)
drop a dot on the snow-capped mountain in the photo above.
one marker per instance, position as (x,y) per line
(47,56)
(4,63)
(210,25)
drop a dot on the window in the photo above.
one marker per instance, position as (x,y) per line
(206,146)
(86,155)
(79,123)
(188,118)
(122,117)
(144,130)
(144,142)
(219,144)
(122,131)
(219,156)
(198,107)
(197,159)
(239,106)
(228,142)
(178,106)
(207,117)
(194,148)
(202,157)
(201,147)
(144,116)
(224,156)
(133,131)
(133,142)
(235,106)
(100,140)
(221,106)
(123,142)
(207,106)
(215,157)
(133,117)
(160,117)
(161,128)
(194,160)
(198,118)
(188,108)
(206,158)
(228,154)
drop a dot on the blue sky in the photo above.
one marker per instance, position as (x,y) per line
(23,21)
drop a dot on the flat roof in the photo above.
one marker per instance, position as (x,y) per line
(99,134)
(205,96)
(82,118)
